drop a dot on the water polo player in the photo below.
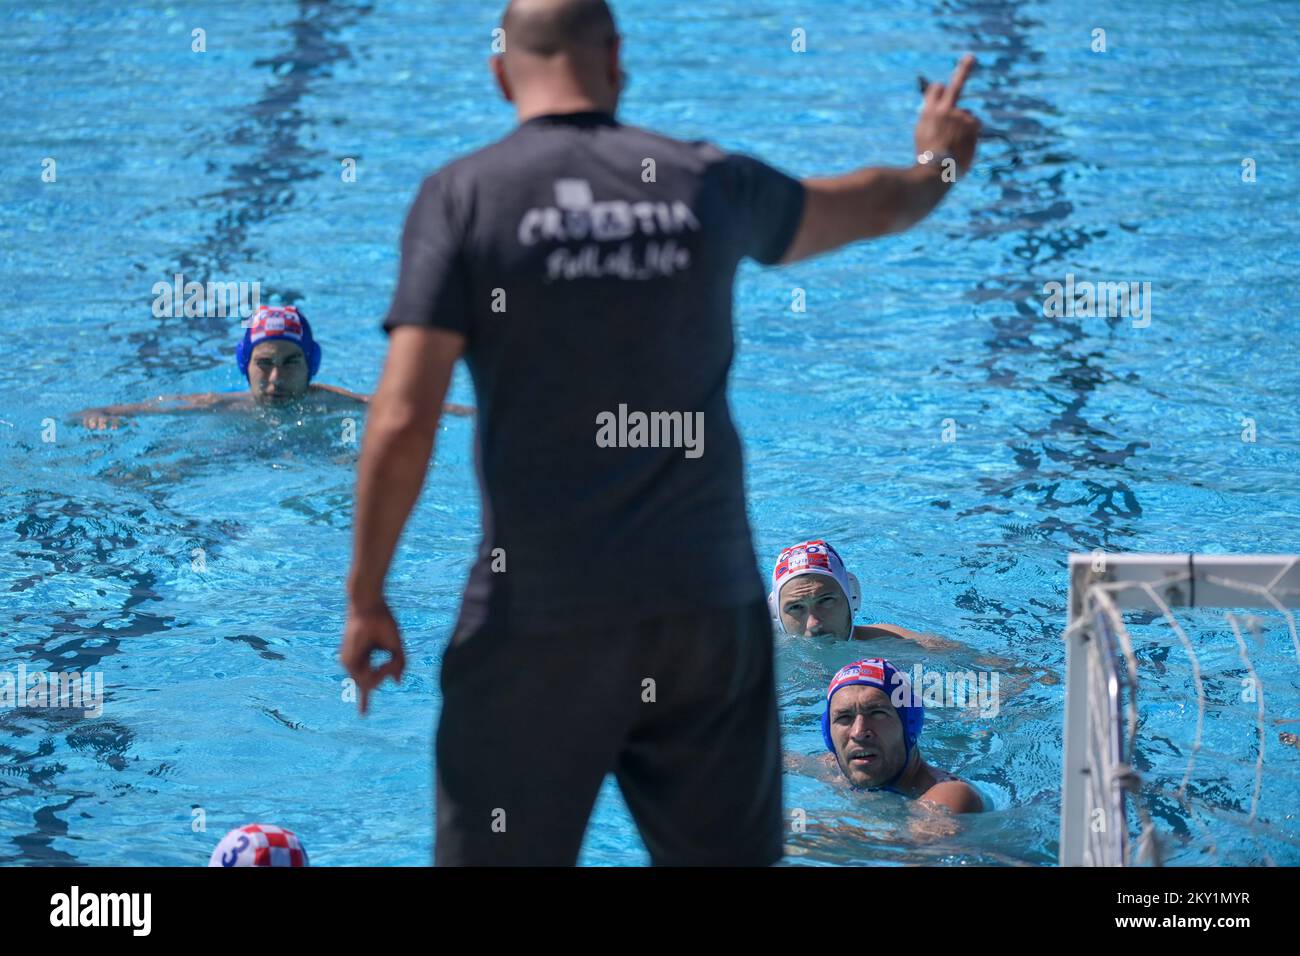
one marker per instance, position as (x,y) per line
(872,726)
(814,595)
(278,357)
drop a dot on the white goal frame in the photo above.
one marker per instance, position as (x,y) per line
(1102,681)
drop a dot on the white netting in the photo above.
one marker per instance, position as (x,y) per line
(1181,722)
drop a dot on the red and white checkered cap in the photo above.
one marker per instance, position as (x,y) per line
(259,844)
(275,322)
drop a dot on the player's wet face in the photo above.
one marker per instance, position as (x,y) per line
(867,734)
(277,371)
(814,605)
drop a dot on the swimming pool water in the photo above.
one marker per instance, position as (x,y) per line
(197,561)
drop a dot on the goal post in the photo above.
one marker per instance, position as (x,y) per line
(1103,681)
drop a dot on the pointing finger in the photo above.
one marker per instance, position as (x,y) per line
(964,67)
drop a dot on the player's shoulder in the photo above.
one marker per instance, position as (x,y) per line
(956,794)
(224,400)
(335,392)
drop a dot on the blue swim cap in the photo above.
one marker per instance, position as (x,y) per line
(278,322)
(879,673)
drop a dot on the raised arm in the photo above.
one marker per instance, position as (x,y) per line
(878,201)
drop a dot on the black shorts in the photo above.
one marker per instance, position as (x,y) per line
(533,720)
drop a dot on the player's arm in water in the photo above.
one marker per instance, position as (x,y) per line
(878,201)
(395,455)
(111,416)
(942,789)
(1017,676)
(448,408)
(932,642)
(335,390)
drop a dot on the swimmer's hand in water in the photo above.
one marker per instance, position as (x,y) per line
(99,420)
(943,128)
(929,822)
(368,630)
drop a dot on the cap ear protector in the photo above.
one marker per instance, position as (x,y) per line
(305,341)
(826,730)
(855,592)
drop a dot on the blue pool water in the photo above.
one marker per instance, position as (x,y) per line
(196,561)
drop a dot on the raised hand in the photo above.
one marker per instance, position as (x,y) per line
(945,128)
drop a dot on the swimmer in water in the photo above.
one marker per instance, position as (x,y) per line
(278,357)
(872,725)
(814,595)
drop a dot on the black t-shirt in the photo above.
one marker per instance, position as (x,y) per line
(589,266)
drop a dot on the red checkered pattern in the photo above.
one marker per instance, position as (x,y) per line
(275,321)
(868,671)
(808,556)
(274,846)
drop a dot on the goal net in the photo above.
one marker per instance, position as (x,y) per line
(1182,710)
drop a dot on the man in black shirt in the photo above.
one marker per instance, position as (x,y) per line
(615,619)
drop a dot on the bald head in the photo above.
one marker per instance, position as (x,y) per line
(561,56)
(547,28)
